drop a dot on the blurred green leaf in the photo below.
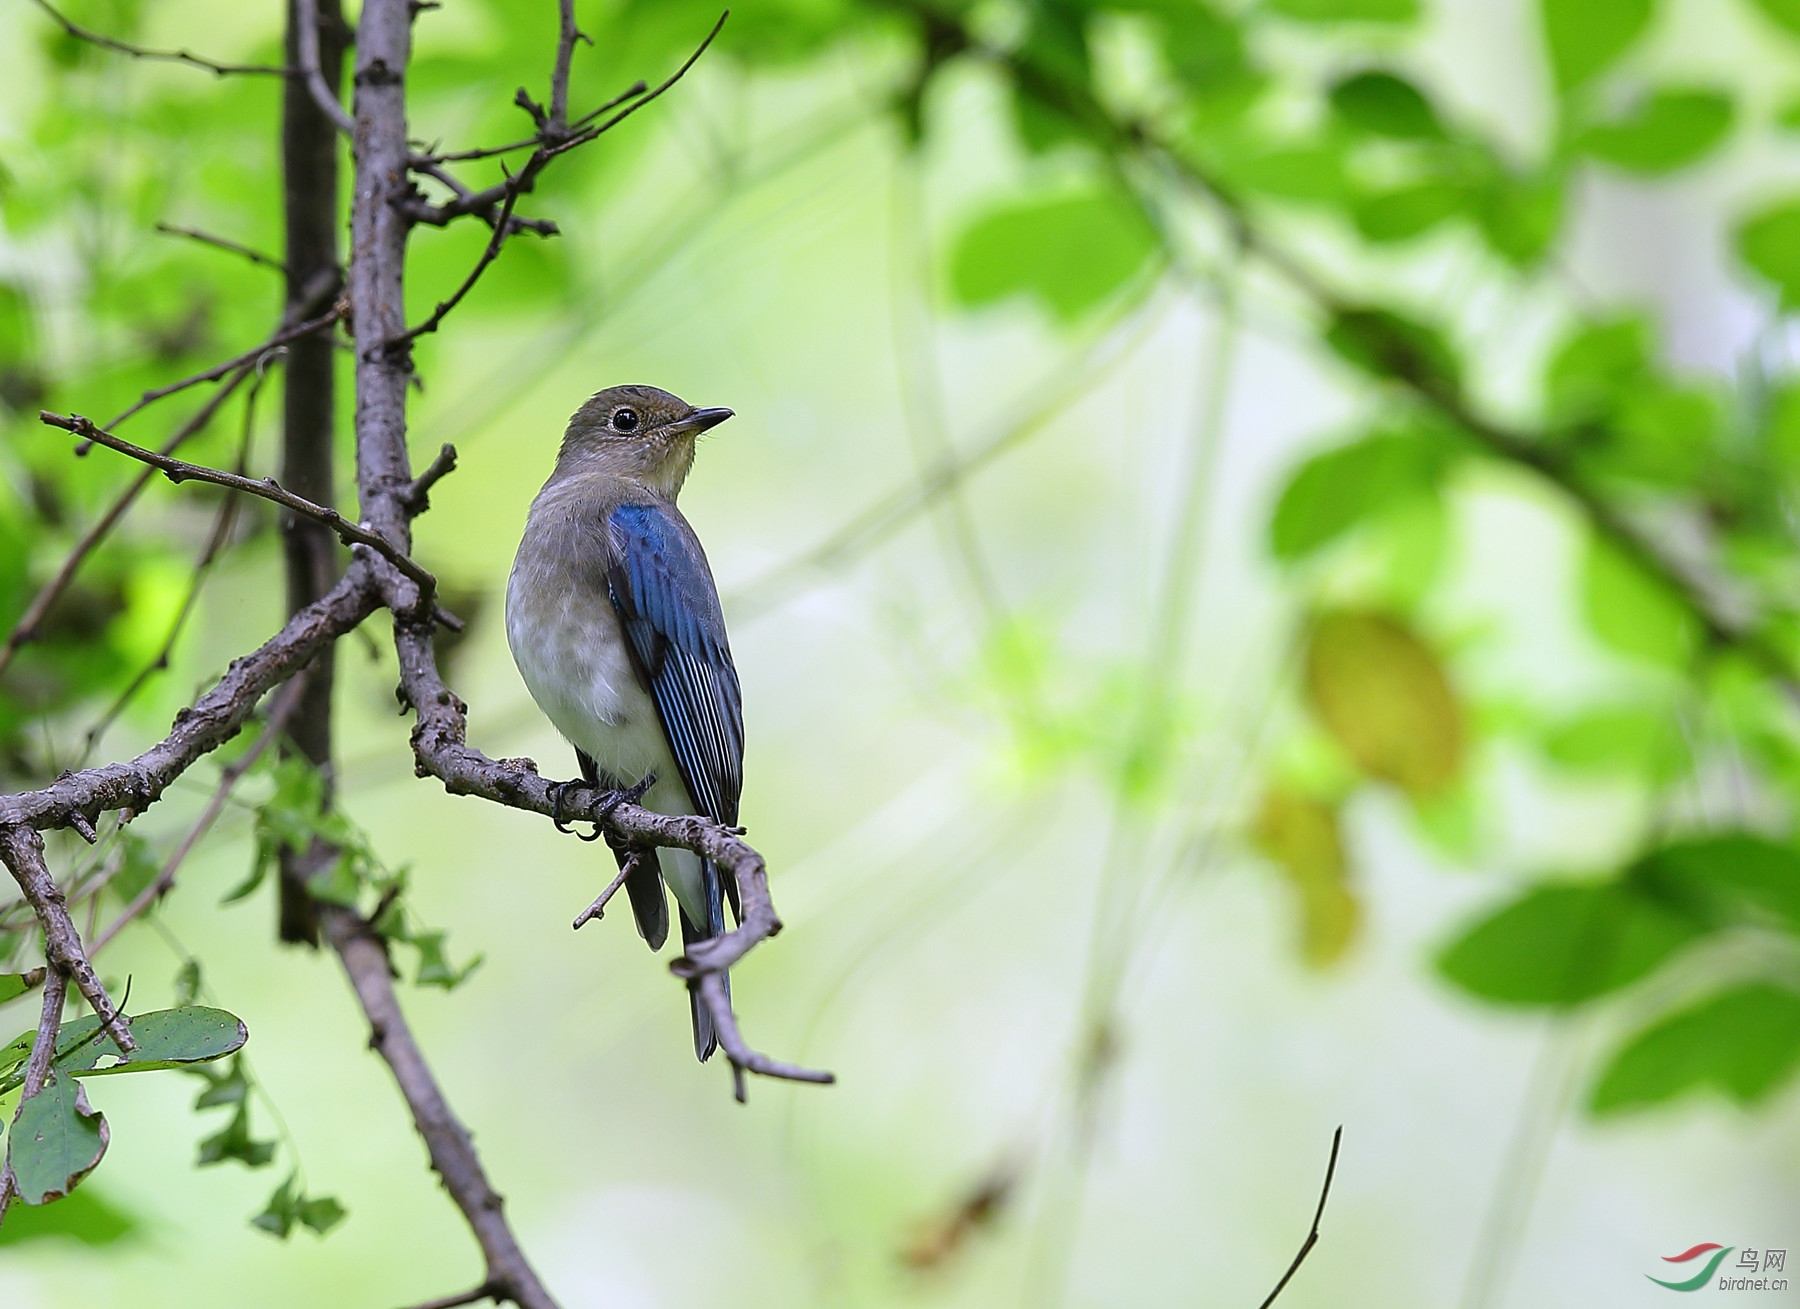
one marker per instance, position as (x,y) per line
(1386,104)
(1667,131)
(435,968)
(1562,945)
(55,1142)
(234,1141)
(1334,491)
(1407,211)
(1618,739)
(1788,116)
(1734,878)
(85,1217)
(1520,215)
(1744,1042)
(138,866)
(1784,13)
(12,985)
(1381,692)
(1769,242)
(1301,835)
(1388,344)
(1662,434)
(1633,611)
(1306,174)
(222,1088)
(1071,252)
(187,983)
(1586,37)
(1347,11)
(289,1207)
(1596,367)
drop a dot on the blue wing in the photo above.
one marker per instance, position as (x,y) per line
(669,606)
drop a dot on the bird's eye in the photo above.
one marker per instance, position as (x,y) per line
(624,420)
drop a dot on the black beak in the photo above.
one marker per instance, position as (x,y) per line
(700,420)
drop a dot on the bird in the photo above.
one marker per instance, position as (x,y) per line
(615,625)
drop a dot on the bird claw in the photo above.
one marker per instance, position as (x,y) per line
(558,793)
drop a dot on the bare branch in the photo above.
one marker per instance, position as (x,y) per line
(631,109)
(25,630)
(212,66)
(453,1158)
(307,15)
(179,470)
(425,163)
(482,1292)
(212,720)
(417,496)
(1312,1236)
(567,35)
(288,697)
(23,850)
(219,242)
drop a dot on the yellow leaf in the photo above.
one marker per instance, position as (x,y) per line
(1383,695)
(1301,835)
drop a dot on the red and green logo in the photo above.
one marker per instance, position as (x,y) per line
(1702,1277)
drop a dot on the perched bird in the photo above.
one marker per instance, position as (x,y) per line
(614,622)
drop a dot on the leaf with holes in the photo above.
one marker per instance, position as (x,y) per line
(57,1140)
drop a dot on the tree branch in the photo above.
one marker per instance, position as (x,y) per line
(453,1157)
(37,1070)
(25,630)
(23,851)
(212,66)
(285,701)
(306,14)
(179,470)
(212,720)
(502,226)
(219,242)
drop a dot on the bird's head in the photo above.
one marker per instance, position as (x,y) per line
(638,432)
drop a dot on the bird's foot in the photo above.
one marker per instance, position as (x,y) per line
(558,794)
(626,795)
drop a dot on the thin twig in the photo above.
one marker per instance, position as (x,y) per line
(212,66)
(423,163)
(502,226)
(219,242)
(583,137)
(306,16)
(223,523)
(566,37)
(229,777)
(23,851)
(417,496)
(213,374)
(598,908)
(25,630)
(1312,1236)
(179,470)
(482,1292)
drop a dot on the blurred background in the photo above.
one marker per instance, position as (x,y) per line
(1183,535)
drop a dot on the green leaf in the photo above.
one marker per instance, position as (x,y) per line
(1388,344)
(56,1141)
(1596,368)
(12,986)
(1622,739)
(187,983)
(1381,692)
(435,969)
(1071,252)
(1662,434)
(85,1217)
(1384,104)
(321,1213)
(1633,611)
(1732,878)
(1334,491)
(1562,945)
(1666,132)
(1783,13)
(1305,174)
(1586,37)
(228,1088)
(1743,1042)
(288,1206)
(1520,216)
(1769,242)
(1788,116)
(166,1038)
(138,868)
(1347,11)
(234,1141)
(1405,212)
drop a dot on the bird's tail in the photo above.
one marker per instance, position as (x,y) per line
(706,1036)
